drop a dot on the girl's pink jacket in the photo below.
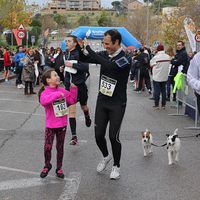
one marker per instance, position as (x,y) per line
(48,96)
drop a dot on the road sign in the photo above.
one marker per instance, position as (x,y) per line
(197,37)
(33,39)
(156,43)
(21,34)
(21,27)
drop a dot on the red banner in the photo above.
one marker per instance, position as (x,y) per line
(15,32)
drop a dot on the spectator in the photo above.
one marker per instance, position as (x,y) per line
(179,63)
(1,58)
(7,64)
(193,77)
(143,59)
(19,57)
(160,64)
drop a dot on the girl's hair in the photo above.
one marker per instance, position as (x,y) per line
(45,75)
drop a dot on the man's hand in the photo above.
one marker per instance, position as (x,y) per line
(72,85)
(85,41)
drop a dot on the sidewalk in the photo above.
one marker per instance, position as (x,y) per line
(12,75)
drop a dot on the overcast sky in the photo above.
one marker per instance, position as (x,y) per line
(105,3)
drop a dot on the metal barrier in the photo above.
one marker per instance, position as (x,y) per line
(187,97)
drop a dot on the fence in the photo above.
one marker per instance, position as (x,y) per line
(186,96)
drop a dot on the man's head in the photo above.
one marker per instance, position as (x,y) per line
(160,47)
(180,44)
(71,42)
(112,41)
(20,48)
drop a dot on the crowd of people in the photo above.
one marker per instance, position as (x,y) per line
(162,65)
(152,70)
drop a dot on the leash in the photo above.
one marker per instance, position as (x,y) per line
(191,136)
(155,145)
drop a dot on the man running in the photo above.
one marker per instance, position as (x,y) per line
(112,97)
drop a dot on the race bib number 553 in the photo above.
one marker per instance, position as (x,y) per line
(107,85)
(60,108)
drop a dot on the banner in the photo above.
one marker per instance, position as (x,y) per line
(92,32)
(190,31)
(15,32)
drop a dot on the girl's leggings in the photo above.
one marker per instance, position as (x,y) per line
(60,138)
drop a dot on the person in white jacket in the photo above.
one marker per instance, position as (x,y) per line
(193,77)
(160,64)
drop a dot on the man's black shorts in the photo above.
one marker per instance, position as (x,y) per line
(82,94)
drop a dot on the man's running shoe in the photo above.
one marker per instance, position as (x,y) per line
(59,173)
(74,140)
(115,173)
(88,121)
(104,162)
(45,171)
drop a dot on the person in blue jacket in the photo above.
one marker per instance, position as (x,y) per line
(19,57)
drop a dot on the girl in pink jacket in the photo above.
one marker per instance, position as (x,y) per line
(55,99)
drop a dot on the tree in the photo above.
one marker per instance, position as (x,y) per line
(173,29)
(13,14)
(190,9)
(36,30)
(117,6)
(104,20)
(84,20)
(60,20)
(136,23)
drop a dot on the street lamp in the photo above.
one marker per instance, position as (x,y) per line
(147,35)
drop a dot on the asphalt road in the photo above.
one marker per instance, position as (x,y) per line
(21,153)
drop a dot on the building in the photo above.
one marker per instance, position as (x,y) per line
(131,4)
(75,5)
(135,5)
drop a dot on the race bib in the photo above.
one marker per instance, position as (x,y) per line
(107,85)
(60,108)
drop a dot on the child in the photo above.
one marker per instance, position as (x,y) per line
(54,99)
(28,75)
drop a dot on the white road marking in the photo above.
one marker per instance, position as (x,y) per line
(71,187)
(19,100)
(19,170)
(25,183)
(23,113)
(1,129)
(69,192)
(82,141)
(6,92)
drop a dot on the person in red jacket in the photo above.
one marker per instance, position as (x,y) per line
(7,64)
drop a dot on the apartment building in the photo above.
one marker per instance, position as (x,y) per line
(131,4)
(75,4)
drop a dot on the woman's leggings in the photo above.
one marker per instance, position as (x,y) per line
(113,114)
(60,138)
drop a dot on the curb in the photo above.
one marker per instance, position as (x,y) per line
(11,77)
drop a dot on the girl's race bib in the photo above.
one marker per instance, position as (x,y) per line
(60,108)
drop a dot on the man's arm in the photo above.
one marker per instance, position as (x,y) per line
(105,63)
(193,73)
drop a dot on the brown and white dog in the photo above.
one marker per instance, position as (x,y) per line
(147,140)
